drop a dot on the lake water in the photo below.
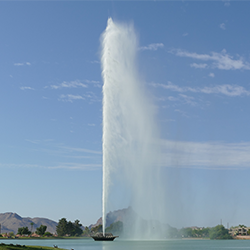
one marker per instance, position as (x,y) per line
(118,244)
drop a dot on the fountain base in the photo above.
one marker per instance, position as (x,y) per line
(106,237)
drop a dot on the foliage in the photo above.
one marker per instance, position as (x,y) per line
(1,235)
(47,234)
(205,232)
(11,234)
(61,228)
(97,229)
(172,232)
(75,228)
(242,225)
(41,230)
(23,230)
(115,228)
(219,232)
(188,233)
(68,228)
(86,232)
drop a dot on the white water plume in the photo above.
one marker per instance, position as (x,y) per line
(130,153)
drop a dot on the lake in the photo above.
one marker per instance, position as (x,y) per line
(118,244)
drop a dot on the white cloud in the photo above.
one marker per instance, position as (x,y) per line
(152,46)
(211,75)
(26,88)
(71,158)
(82,150)
(199,65)
(174,87)
(68,166)
(95,61)
(188,99)
(92,81)
(225,89)
(172,99)
(33,141)
(76,166)
(227,3)
(223,26)
(95,83)
(183,113)
(22,64)
(10,165)
(177,154)
(70,98)
(213,155)
(169,86)
(170,120)
(185,34)
(219,60)
(92,97)
(72,84)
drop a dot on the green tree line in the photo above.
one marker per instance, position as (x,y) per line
(40,231)
(69,228)
(218,232)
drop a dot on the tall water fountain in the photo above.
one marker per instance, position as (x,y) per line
(130,135)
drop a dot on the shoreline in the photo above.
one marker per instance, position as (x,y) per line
(4,246)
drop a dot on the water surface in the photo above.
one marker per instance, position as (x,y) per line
(118,244)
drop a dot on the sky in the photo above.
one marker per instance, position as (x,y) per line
(194,59)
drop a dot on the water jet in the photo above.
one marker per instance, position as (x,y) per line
(130,135)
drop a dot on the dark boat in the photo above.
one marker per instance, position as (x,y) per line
(106,237)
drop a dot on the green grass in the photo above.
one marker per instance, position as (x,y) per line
(23,247)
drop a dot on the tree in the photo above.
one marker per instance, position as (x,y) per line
(41,230)
(11,234)
(115,228)
(48,234)
(86,231)
(219,232)
(186,232)
(23,230)
(242,225)
(205,232)
(64,227)
(61,228)
(97,229)
(77,228)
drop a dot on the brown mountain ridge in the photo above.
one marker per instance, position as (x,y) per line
(10,222)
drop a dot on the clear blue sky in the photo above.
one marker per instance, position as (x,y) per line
(195,60)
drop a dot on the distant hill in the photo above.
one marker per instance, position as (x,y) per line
(10,222)
(135,226)
(119,215)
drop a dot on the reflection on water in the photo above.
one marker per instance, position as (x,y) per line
(119,244)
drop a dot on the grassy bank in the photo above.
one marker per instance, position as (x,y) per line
(23,247)
(46,238)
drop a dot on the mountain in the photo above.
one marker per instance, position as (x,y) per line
(122,215)
(134,226)
(10,222)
